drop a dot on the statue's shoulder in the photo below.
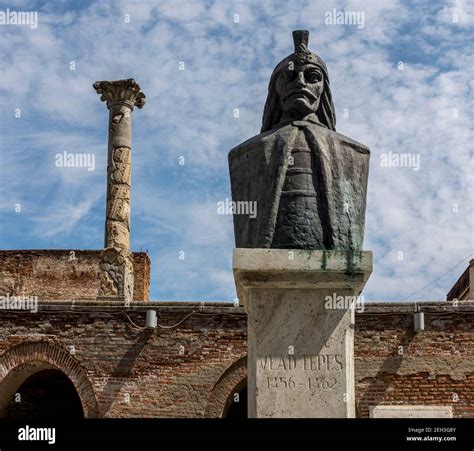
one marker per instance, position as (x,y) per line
(339,139)
(266,140)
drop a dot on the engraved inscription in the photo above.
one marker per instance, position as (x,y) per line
(307,372)
(320,362)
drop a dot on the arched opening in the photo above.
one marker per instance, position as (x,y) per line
(47,393)
(228,397)
(236,406)
(43,370)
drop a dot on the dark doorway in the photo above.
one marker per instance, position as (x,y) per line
(46,394)
(238,404)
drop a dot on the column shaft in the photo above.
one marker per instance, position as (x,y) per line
(116,259)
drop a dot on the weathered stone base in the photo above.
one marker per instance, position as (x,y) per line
(116,275)
(300,307)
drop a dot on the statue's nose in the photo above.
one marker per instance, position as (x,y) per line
(300,81)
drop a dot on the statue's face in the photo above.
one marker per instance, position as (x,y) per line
(299,89)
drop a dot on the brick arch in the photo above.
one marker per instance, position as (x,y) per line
(21,361)
(232,380)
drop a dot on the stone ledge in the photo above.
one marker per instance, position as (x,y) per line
(89,306)
(404,307)
(370,308)
(388,411)
(300,269)
(290,260)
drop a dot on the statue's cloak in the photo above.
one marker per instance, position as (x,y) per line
(340,166)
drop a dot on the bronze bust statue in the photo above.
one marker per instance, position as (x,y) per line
(309,183)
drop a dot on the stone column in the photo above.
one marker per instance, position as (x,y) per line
(116,259)
(300,306)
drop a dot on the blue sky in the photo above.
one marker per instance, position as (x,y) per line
(418,222)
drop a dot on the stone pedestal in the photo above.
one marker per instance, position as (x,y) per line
(300,307)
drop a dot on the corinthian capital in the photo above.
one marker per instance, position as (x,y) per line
(120,92)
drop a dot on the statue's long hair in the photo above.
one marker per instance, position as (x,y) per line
(273,112)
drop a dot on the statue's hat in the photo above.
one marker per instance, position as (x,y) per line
(302,54)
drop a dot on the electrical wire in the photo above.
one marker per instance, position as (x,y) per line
(439,277)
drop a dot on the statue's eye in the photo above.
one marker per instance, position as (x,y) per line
(313,76)
(290,74)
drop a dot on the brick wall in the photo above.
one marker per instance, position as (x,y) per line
(192,370)
(395,365)
(63,274)
(134,372)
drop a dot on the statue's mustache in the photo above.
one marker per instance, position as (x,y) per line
(301,92)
